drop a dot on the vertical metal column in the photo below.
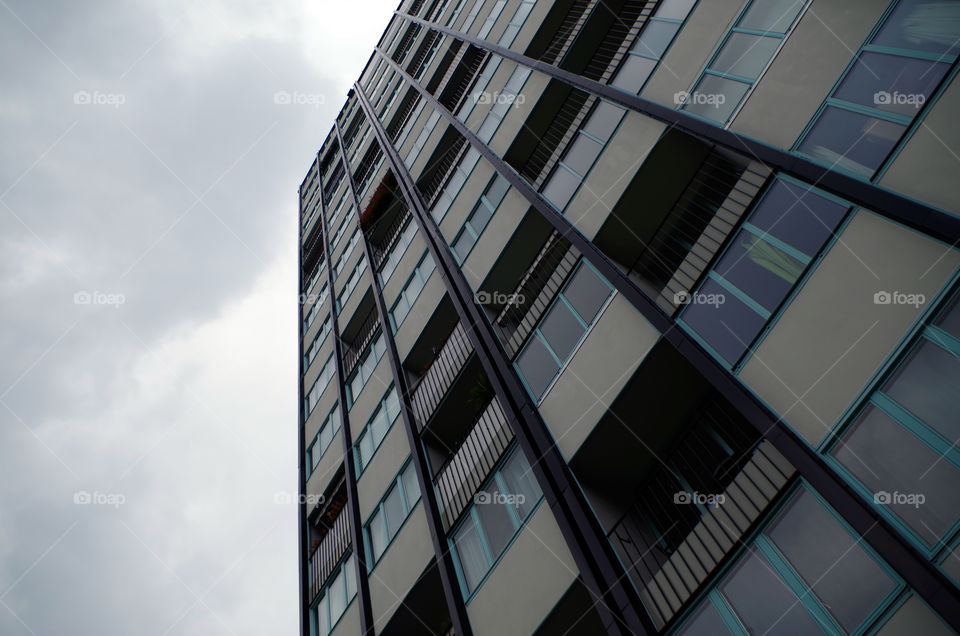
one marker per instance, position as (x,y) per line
(616,600)
(448,576)
(301,442)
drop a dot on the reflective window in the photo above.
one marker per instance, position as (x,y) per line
(391,512)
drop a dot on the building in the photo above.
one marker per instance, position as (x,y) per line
(636,317)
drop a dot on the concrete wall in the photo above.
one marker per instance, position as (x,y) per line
(383,469)
(400,567)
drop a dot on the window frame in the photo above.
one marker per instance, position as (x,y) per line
(367,429)
(418,272)
(336,423)
(379,513)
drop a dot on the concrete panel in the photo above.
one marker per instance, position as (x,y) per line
(604,362)
(370,395)
(383,469)
(613,171)
(314,370)
(808,65)
(528,581)
(321,410)
(494,238)
(420,313)
(329,464)
(349,623)
(927,167)
(467,197)
(832,338)
(405,267)
(400,567)
(914,617)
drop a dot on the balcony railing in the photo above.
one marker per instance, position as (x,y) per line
(438,379)
(462,474)
(352,351)
(381,248)
(328,554)
(535,292)
(672,539)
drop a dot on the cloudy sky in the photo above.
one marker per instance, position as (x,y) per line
(148,297)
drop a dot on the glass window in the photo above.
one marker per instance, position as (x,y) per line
(603,120)
(745,55)
(715,98)
(338,597)
(560,187)
(759,268)
(469,551)
(633,73)
(927,384)
(949,320)
(586,292)
(519,480)
(844,578)
(463,245)
(655,38)
(852,141)
(495,519)
(537,366)
(581,154)
(923,25)
(798,216)
(729,328)
(561,329)
(891,83)
(771,15)
(393,508)
(674,9)
(705,622)
(410,487)
(497,190)
(378,534)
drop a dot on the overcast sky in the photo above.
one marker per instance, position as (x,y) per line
(148,218)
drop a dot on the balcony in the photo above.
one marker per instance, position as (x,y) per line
(332,531)
(459,478)
(441,374)
(362,337)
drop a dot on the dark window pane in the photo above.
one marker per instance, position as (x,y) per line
(949,320)
(473,563)
(393,508)
(763,602)
(537,366)
(603,120)
(890,462)
(410,486)
(771,15)
(760,269)
(480,217)
(851,141)
(706,622)
(497,190)
(561,329)
(892,83)
(378,534)
(634,73)
(677,9)
(494,519)
(728,328)
(655,38)
(520,483)
(716,98)
(846,579)
(463,245)
(797,216)
(581,154)
(586,292)
(928,385)
(745,55)
(923,25)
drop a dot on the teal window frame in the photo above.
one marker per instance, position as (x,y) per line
(339,234)
(321,441)
(472,516)
(310,355)
(491,207)
(421,141)
(809,263)
(379,513)
(831,101)
(316,389)
(944,448)
(491,20)
(352,283)
(587,326)
(389,264)
(335,212)
(342,567)
(315,309)
(653,19)
(376,348)
(390,396)
(458,178)
(347,252)
(779,565)
(421,273)
(500,107)
(519,18)
(749,82)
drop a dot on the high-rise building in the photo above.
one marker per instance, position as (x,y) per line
(636,317)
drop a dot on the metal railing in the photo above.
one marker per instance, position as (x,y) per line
(381,248)
(328,554)
(353,351)
(438,379)
(464,471)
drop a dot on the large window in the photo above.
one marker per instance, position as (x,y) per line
(321,442)
(421,139)
(745,52)
(376,428)
(459,176)
(501,103)
(651,44)
(335,597)
(498,513)
(805,573)
(901,449)
(323,379)
(347,251)
(561,328)
(411,290)
(894,74)
(478,218)
(365,367)
(391,512)
(355,277)
(760,266)
(311,353)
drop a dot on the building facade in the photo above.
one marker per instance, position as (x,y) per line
(636,317)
